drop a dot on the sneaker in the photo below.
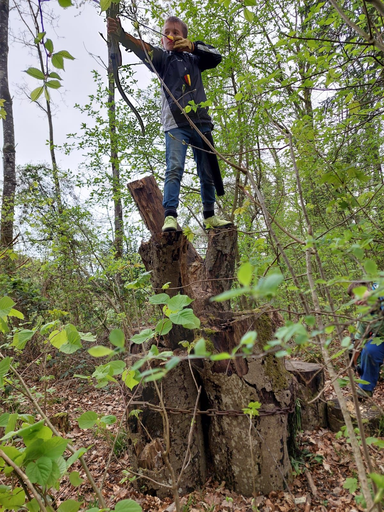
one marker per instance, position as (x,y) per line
(363,394)
(170,224)
(214,222)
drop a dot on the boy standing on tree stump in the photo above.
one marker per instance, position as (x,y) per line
(179,65)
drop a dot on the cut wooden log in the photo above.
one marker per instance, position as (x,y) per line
(310,379)
(224,436)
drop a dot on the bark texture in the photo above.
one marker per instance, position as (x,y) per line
(9,152)
(223,445)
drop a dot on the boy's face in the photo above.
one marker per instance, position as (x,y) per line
(364,300)
(172,30)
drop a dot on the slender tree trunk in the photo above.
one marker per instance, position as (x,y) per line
(9,153)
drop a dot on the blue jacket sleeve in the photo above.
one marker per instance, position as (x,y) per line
(208,56)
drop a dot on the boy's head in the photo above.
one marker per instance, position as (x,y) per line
(356,284)
(173,27)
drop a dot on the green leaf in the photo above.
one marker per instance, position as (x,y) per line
(4,419)
(178,302)
(220,357)
(129,380)
(55,447)
(163,327)
(172,363)
(75,479)
(65,3)
(69,506)
(39,37)
(378,479)
(370,267)
(100,351)
(231,294)
(117,338)
(186,317)
(199,348)
(351,484)
(267,286)
(249,338)
(160,298)
(5,364)
(87,420)
(12,499)
(49,45)
(245,274)
(110,419)
(21,338)
(36,93)
(248,15)
(35,73)
(65,54)
(117,367)
(16,314)
(105,4)
(239,96)
(57,61)
(73,458)
(39,471)
(33,505)
(127,506)
(54,75)
(143,336)
(58,338)
(6,304)
(53,84)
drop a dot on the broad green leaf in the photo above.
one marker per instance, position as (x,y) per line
(129,380)
(11,425)
(105,4)
(143,336)
(267,286)
(172,363)
(33,506)
(117,338)
(53,84)
(75,479)
(57,61)
(231,294)
(249,338)
(21,338)
(6,304)
(160,298)
(378,479)
(39,37)
(39,471)
(65,3)
(110,419)
(36,93)
(4,419)
(87,420)
(370,267)
(65,54)
(55,447)
(245,274)
(351,484)
(73,458)
(186,317)
(239,96)
(49,45)
(220,357)
(5,364)
(16,314)
(35,73)
(127,506)
(69,506)
(248,15)
(178,302)
(13,499)
(163,327)
(100,351)
(199,348)
(53,74)
(117,367)
(58,338)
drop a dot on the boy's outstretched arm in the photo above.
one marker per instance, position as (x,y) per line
(114,28)
(209,57)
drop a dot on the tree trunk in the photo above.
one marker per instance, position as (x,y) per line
(222,437)
(9,152)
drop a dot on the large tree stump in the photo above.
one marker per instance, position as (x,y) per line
(222,437)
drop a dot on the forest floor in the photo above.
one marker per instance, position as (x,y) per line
(320,471)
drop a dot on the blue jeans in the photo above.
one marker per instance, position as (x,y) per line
(372,357)
(175,159)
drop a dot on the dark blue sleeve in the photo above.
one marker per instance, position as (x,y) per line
(208,56)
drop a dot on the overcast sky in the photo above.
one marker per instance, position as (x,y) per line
(77,31)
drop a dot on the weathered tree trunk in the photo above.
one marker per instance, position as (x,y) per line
(9,152)
(222,437)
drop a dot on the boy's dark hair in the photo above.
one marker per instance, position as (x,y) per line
(356,284)
(175,19)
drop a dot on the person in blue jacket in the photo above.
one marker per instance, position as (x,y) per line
(179,64)
(370,334)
